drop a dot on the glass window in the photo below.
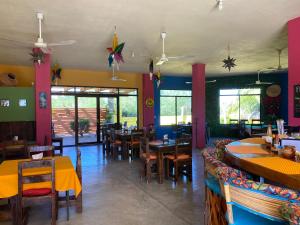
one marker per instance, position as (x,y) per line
(175,93)
(184,110)
(167,110)
(128,110)
(239,104)
(175,107)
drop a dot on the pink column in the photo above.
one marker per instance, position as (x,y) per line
(148,93)
(294,66)
(198,105)
(43,111)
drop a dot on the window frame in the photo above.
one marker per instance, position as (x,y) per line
(173,96)
(239,97)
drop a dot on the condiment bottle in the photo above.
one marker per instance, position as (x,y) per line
(269,130)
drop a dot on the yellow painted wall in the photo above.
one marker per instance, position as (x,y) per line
(25,76)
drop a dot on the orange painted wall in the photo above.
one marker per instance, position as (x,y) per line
(25,76)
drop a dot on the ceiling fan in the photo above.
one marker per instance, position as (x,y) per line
(207,82)
(39,43)
(279,67)
(258,81)
(218,5)
(163,59)
(114,76)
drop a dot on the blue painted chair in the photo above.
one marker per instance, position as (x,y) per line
(245,207)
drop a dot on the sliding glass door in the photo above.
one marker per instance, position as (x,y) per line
(86,114)
(79,113)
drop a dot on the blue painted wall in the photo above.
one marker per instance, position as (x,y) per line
(212,97)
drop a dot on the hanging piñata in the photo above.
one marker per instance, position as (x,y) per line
(157,78)
(37,57)
(151,69)
(229,62)
(115,52)
(56,72)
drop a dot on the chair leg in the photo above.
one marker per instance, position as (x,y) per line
(176,171)
(168,169)
(53,210)
(68,204)
(148,172)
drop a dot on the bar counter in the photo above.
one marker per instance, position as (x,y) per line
(251,155)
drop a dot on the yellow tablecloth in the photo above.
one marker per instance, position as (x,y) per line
(65,177)
(277,164)
(254,141)
(241,149)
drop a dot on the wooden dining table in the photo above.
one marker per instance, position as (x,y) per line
(161,148)
(252,156)
(66,179)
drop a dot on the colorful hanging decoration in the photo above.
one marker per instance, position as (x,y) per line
(115,52)
(56,72)
(151,69)
(229,62)
(37,57)
(157,78)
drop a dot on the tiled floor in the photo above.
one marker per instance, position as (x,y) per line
(114,195)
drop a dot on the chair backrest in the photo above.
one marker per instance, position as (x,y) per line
(136,135)
(47,173)
(183,146)
(144,146)
(254,202)
(78,164)
(38,149)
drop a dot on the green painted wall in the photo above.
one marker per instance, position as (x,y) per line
(14,112)
(242,81)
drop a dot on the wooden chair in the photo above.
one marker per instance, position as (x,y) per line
(148,159)
(181,160)
(245,207)
(106,141)
(38,194)
(134,143)
(79,174)
(46,150)
(116,145)
(14,149)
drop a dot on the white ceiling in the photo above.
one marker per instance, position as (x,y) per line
(254,29)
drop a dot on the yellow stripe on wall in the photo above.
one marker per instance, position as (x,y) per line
(76,77)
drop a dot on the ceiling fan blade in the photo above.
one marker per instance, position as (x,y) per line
(46,50)
(62,43)
(160,62)
(211,81)
(266,83)
(17,42)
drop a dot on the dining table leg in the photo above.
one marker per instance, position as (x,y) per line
(160,167)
